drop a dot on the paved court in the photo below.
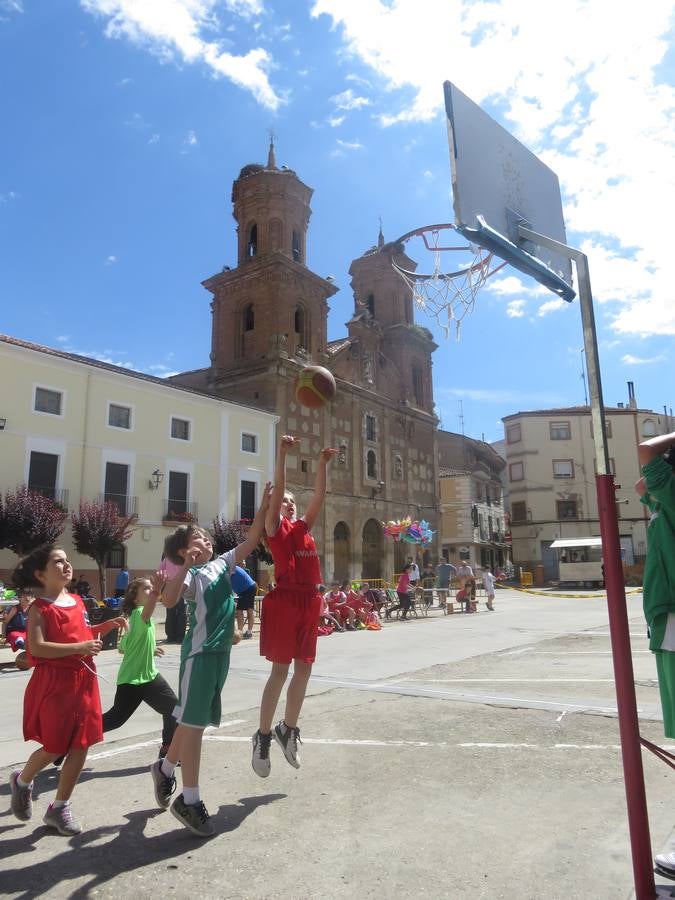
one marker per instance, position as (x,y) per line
(459,756)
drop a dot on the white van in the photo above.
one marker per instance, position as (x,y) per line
(579,560)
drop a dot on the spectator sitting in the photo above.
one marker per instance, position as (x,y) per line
(16,621)
(376,597)
(337,606)
(356,600)
(326,618)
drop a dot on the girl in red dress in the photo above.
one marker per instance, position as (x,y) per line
(290,611)
(62,706)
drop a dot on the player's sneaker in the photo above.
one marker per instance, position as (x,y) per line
(288,739)
(164,786)
(62,818)
(260,760)
(193,816)
(22,798)
(666,863)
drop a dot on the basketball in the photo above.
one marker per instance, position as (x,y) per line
(314,387)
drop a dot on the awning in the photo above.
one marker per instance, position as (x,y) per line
(565,543)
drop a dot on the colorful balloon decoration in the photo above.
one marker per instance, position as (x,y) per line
(408,531)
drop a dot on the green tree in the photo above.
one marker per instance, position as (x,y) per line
(97,529)
(228,534)
(29,519)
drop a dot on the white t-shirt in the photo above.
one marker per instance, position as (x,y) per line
(414,573)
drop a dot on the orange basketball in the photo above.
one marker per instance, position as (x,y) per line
(314,387)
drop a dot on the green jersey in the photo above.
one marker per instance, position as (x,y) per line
(659,577)
(210,603)
(138,646)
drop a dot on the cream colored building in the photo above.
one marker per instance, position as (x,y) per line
(76,428)
(551,469)
(472,520)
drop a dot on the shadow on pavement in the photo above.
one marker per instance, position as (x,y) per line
(128,850)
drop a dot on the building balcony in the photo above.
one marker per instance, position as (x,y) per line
(126,505)
(179,511)
(59,496)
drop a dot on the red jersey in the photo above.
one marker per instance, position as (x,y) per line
(296,561)
(64,625)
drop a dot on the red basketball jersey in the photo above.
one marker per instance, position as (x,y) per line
(64,625)
(294,551)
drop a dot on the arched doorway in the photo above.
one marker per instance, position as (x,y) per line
(341,552)
(373,550)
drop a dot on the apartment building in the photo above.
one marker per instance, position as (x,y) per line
(75,428)
(551,470)
(472,518)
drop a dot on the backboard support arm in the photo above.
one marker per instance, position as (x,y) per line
(629,727)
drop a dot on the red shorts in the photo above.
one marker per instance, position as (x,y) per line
(288,618)
(62,709)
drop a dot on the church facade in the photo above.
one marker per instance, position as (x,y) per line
(269,319)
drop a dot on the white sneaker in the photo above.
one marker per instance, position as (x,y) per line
(288,739)
(260,759)
(666,861)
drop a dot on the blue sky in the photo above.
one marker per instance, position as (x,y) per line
(125,122)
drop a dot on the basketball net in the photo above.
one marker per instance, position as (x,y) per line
(448,296)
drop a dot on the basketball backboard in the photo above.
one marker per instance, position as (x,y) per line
(498,184)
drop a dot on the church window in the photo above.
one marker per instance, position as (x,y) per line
(296,246)
(252,248)
(299,321)
(370,304)
(249,318)
(371,428)
(418,385)
(371,464)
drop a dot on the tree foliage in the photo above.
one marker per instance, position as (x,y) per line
(97,529)
(29,519)
(229,534)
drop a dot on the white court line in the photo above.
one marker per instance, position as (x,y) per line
(118,751)
(505,680)
(519,652)
(348,742)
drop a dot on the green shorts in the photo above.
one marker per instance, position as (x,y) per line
(665,668)
(201,680)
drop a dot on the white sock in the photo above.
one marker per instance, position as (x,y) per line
(57,804)
(191,795)
(23,784)
(167,767)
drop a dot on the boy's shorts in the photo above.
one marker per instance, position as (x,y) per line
(288,624)
(665,668)
(246,600)
(200,683)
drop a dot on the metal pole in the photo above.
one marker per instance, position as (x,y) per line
(629,729)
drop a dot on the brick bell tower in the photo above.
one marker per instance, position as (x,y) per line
(270,312)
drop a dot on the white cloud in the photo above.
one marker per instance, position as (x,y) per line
(344,147)
(153,139)
(190,139)
(177,28)
(8,196)
(503,395)
(515,309)
(110,260)
(349,100)
(552,306)
(11,6)
(591,94)
(123,82)
(335,121)
(629,360)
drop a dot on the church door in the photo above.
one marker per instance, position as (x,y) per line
(341,552)
(373,550)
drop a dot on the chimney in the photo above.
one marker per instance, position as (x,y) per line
(632,403)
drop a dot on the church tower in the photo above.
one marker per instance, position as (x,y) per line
(271,305)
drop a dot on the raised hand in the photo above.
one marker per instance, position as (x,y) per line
(327,454)
(288,442)
(158,581)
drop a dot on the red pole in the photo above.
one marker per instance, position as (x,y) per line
(629,729)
